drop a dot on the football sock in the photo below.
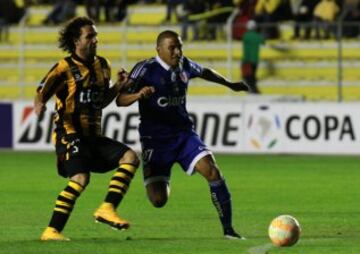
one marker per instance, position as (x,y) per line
(119,183)
(64,205)
(222,201)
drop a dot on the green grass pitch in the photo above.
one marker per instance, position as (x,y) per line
(322,192)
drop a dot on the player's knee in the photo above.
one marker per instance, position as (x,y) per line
(130,157)
(158,193)
(212,174)
(208,169)
(82,178)
(158,201)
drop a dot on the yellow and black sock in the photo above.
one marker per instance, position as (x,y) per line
(64,205)
(119,183)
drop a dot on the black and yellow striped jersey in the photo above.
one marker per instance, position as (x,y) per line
(79,90)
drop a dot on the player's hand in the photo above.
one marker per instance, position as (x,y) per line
(122,77)
(146,92)
(239,86)
(40,109)
(39,106)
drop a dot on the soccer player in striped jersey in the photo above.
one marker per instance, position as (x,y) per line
(81,84)
(167,135)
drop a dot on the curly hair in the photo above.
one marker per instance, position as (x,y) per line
(72,31)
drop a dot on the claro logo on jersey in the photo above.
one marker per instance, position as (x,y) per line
(170,101)
(92,96)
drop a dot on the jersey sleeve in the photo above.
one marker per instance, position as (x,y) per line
(195,69)
(137,75)
(106,69)
(52,82)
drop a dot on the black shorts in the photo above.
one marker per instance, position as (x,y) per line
(87,154)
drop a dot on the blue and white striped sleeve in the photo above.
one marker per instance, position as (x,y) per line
(195,68)
(137,74)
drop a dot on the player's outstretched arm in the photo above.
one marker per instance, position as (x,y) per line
(43,93)
(39,104)
(126,99)
(213,76)
(50,85)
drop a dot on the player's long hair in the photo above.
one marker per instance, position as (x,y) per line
(72,31)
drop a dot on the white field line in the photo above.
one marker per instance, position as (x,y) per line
(261,249)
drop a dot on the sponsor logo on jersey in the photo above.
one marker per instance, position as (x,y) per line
(170,101)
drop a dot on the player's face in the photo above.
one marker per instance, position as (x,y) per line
(170,50)
(87,42)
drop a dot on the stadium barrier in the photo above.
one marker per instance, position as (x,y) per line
(227,125)
(287,66)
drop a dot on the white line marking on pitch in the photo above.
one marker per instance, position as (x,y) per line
(261,249)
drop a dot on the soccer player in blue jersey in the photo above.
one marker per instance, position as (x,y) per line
(167,135)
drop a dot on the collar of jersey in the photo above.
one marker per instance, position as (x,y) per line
(162,63)
(166,66)
(86,63)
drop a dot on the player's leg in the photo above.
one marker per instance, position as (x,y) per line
(120,182)
(254,78)
(158,157)
(158,193)
(115,154)
(194,156)
(70,163)
(220,194)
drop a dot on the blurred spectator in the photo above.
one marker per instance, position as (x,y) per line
(109,7)
(222,10)
(171,6)
(93,9)
(266,15)
(302,11)
(325,13)
(62,10)
(114,10)
(121,7)
(350,16)
(4,24)
(4,28)
(10,13)
(246,12)
(191,7)
(252,41)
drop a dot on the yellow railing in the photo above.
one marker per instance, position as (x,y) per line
(308,69)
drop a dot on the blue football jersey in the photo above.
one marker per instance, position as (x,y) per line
(164,112)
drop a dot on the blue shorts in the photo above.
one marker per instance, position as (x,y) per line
(160,154)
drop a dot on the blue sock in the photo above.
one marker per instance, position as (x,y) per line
(221,199)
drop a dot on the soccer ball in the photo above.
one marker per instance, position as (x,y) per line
(284,230)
